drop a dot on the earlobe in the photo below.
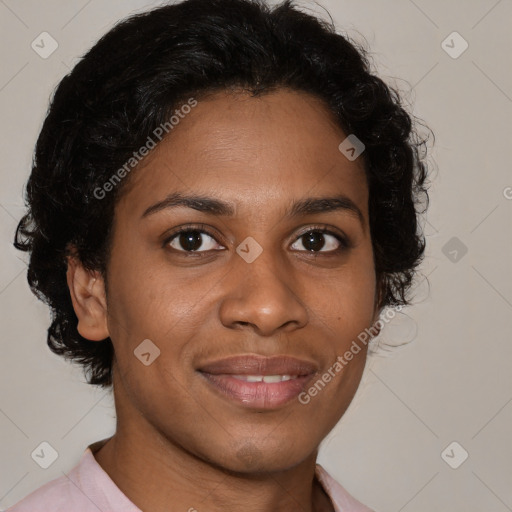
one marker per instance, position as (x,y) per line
(87,291)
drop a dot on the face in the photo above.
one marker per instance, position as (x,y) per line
(255,275)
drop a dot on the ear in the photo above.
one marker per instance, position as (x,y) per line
(87,290)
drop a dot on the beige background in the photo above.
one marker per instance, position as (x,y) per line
(451,383)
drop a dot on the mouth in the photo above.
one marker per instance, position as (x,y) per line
(259,382)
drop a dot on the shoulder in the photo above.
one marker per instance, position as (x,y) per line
(58,495)
(341,499)
(86,488)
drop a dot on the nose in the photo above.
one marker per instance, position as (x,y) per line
(263,296)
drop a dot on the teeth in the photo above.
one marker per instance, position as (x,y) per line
(252,378)
(269,379)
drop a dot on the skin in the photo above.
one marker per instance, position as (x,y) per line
(178,441)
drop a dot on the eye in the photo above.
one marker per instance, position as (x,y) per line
(190,240)
(315,240)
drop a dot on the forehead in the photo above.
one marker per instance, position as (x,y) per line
(251,151)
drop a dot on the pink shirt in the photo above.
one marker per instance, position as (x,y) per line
(88,488)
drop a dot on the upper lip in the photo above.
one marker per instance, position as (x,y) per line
(260,365)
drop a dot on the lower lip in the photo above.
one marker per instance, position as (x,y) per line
(260,395)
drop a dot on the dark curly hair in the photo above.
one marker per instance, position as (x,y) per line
(130,82)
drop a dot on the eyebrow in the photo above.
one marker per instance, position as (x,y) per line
(212,206)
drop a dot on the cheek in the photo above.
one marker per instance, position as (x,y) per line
(345,301)
(134,301)
(148,300)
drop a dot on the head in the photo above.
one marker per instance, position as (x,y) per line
(189,189)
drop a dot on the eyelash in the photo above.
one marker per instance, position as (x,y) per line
(201,228)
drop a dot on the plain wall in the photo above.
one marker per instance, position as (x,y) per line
(451,382)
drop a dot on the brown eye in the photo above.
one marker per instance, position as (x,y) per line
(192,240)
(318,240)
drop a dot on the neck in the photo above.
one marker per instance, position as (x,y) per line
(152,476)
(154,470)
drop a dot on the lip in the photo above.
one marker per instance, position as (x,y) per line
(250,364)
(221,375)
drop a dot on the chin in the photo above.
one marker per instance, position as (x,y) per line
(251,456)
